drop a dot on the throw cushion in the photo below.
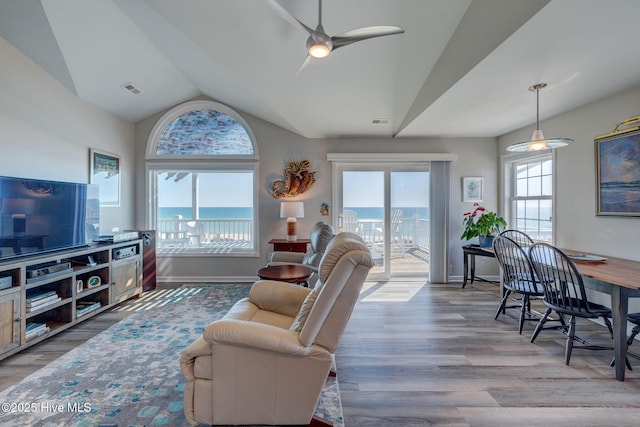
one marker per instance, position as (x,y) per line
(305,309)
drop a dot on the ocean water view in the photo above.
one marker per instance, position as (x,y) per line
(374,213)
(206,213)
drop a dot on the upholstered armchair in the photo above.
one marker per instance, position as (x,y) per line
(320,236)
(267,360)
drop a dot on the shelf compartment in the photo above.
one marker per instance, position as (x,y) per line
(54,307)
(91,291)
(89,260)
(93,303)
(102,273)
(61,287)
(60,316)
(62,282)
(12,276)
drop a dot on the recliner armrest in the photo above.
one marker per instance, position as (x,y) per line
(256,335)
(279,297)
(198,348)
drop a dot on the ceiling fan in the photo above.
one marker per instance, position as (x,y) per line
(320,44)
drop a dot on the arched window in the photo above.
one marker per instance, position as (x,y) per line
(202,169)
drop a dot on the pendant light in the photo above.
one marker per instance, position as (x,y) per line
(538,141)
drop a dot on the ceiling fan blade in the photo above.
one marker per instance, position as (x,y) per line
(305,64)
(285,15)
(364,33)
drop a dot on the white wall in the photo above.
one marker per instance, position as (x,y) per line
(46,132)
(275,146)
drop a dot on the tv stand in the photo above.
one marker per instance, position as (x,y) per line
(98,278)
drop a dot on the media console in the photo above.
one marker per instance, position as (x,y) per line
(51,293)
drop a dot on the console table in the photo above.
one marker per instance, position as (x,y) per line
(285,245)
(470,252)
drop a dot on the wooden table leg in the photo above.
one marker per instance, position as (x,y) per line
(619,310)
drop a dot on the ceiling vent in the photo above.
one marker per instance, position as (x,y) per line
(380,121)
(131,88)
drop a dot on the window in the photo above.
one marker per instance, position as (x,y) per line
(529,191)
(202,171)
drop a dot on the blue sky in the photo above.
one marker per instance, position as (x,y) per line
(220,189)
(366,189)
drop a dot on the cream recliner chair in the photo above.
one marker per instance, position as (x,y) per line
(267,360)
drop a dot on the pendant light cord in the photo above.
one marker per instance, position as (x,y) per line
(537,108)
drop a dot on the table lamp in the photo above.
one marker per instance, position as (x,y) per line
(291,211)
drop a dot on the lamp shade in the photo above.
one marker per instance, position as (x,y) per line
(291,210)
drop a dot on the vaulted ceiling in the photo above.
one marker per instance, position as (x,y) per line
(462,67)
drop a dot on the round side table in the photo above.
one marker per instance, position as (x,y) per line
(290,273)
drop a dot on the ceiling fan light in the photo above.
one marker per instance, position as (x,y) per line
(319,50)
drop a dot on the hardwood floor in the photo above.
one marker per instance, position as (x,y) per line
(417,354)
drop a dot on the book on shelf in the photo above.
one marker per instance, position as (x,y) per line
(41,301)
(83,307)
(34,326)
(45,304)
(38,295)
(35,330)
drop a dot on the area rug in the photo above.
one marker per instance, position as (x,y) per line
(128,375)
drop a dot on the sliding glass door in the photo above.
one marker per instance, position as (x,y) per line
(388,206)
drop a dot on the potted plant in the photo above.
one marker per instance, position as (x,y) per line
(483,224)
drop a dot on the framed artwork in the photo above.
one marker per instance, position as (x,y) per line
(618,173)
(105,172)
(472,188)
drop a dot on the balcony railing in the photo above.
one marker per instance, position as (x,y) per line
(205,233)
(408,233)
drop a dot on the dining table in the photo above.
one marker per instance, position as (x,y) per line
(618,277)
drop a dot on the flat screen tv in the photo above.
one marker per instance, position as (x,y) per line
(38,216)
